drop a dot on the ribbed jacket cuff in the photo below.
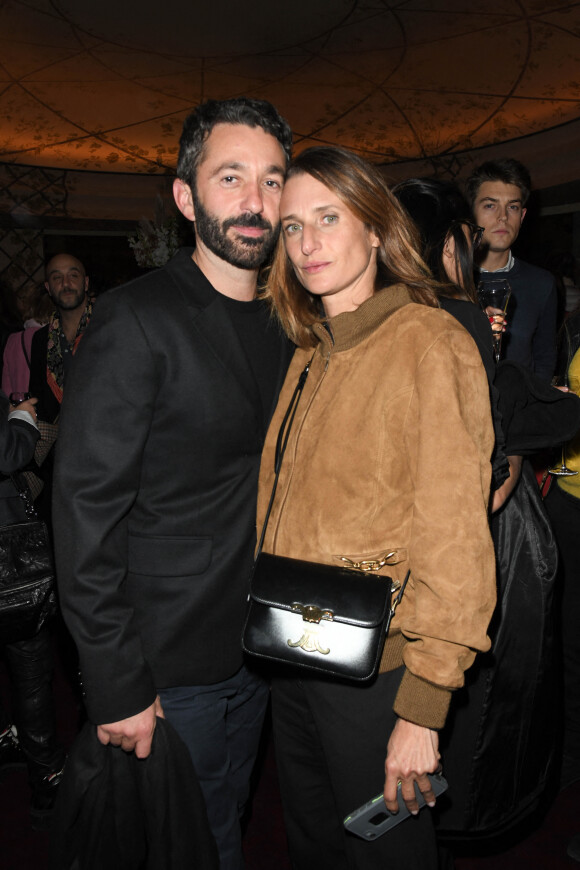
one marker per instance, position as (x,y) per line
(421,702)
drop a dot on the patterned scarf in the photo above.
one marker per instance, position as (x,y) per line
(54,361)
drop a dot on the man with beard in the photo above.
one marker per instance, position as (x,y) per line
(53,346)
(51,355)
(162,430)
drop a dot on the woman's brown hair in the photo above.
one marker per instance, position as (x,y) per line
(362,188)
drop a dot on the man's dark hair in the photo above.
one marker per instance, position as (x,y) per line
(242,110)
(509,171)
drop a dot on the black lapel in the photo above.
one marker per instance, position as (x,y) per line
(287,349)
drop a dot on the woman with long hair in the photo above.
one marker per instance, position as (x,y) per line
(448,235)
(448,239)
(387,462)
(497,780)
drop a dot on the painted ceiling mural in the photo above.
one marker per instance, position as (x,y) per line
(106,85)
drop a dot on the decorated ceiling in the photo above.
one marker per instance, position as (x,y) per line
(106,85)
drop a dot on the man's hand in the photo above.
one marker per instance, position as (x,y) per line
(412,753)
(27,405)
(501,495)
(136,732)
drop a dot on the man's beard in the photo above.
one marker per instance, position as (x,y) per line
(71,304)
(245,252)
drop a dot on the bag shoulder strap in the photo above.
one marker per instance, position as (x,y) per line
(396,602)
(24,493)
(281,444)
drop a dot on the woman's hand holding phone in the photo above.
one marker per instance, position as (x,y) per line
(412,753)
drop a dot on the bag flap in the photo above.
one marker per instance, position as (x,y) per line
(351,596)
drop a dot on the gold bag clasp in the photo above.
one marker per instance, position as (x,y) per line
(313,615)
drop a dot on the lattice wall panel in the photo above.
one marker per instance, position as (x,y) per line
(26,190)
(29,190)
(448,166)
(21,257)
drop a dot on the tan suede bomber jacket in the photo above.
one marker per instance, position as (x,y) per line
(390,452)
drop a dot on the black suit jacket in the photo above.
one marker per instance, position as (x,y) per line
(155,490)
(48,407)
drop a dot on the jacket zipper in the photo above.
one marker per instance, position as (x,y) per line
(295,446)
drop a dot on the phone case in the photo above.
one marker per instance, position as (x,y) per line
(373,819)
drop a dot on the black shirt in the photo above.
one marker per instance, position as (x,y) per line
(259,335)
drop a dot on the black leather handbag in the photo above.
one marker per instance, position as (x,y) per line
(323,617)
(327,618)
(27,587)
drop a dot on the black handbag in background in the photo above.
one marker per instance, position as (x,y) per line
(27,585)
(327,618)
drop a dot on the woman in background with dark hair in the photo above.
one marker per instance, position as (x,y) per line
(387,462)
(448,239)
(500,743)
(448,235)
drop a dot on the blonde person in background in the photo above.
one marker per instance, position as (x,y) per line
(563,506)
(35,306)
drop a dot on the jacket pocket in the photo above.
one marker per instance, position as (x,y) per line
(169,556)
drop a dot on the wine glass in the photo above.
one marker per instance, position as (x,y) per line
(17,397)
(495,293)
(563,470)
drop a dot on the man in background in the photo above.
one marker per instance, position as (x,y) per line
(52,349)
(54,345)
(499,191)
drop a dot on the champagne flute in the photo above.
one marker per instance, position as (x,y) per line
(495,293)
(563,470)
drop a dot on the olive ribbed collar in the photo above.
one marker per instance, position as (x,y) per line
(348,329)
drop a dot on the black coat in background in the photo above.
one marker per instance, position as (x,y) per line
(161,433)
(499,745)
(477,324)
(17,442)
(48,407)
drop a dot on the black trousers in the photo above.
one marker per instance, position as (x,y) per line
(30,663)
(221,725)
(564,512)
(331,742)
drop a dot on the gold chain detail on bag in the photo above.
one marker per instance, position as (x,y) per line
(367,565)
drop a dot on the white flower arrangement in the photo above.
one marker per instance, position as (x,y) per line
(156,242)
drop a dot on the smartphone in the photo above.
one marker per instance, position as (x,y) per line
(373,819)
